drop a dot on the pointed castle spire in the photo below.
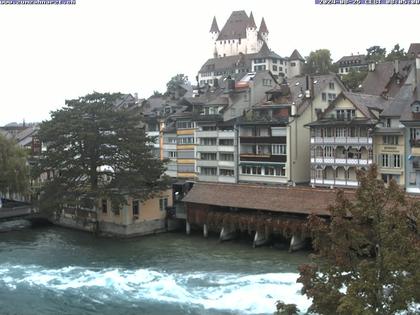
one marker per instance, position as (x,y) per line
(251,22)
(214,27)
(263,27)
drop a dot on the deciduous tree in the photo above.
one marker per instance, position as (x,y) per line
(318,62)
(368,254)
(14,177)
(354,79)
(375,54)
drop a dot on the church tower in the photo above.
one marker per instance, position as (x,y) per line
(214,33)
(251,36)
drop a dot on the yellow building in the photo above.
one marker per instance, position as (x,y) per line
(136,217)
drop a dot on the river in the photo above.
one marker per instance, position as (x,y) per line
(51,270)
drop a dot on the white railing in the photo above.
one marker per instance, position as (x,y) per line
(341,140)
(341,161)
(336,182)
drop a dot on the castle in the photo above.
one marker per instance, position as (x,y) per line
(239,35)
(240,48)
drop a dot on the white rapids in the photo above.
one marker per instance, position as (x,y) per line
(239,293)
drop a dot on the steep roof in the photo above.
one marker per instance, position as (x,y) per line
(414,50)
(214,27)
(296,56)
(228,63)
(265,52)
(235,26)
(263,27)
(400,102)
(380,80)
(297,200)
(365,103)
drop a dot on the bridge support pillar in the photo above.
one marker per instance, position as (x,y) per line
(296,243)
(205,230)
(187,228)
(227,234)
(261,238)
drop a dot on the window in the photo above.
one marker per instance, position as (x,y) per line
(388,177)
(331,96)
(293,64)
(226,156)
(274,60)
(163,203)
(172,154)
(396,160)
(251,170)
(227,142)
(391,140)
(208,141)
(208,171)
(340,132)
(274,68)
(274,171)
(226,172)
(267,82)
(209,156)
(104,206)
(278,149)
(184,124)
(186,140)
(116,209)
(171,140)
(331,85)
(136,207)
(388,123)
(328,152)
(324,97)
(384,160)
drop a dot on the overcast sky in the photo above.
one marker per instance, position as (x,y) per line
(52,53)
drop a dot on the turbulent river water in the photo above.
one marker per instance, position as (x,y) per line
(51,270)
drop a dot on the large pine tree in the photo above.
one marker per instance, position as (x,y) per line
(368,255)
(95,150)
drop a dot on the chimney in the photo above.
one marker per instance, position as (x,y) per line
(136,96)
(396,66)
(308,88)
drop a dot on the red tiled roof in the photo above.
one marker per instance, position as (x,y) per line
(297,200)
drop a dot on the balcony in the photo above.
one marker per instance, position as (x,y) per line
(341,140)
(207,163)
(207,148)
(269,139)
(207,134)
(341,161)
(263,157)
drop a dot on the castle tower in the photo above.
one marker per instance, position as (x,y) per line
(251,36)
(263,31)
(214,32)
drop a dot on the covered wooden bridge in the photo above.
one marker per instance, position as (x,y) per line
(261,210)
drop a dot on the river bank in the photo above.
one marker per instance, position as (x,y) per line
(51,270)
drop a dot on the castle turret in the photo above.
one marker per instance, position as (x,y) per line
(263,30)
(251,35)
(214,32)
(296,62)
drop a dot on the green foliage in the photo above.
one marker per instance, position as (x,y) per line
(173,83)
(286,309)
(396,53)
(157,93)
(354,79)
(318,62)
(368,255)
(375,54)
(97,151)
(14,176)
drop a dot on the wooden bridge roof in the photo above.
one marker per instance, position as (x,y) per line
(296,200)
